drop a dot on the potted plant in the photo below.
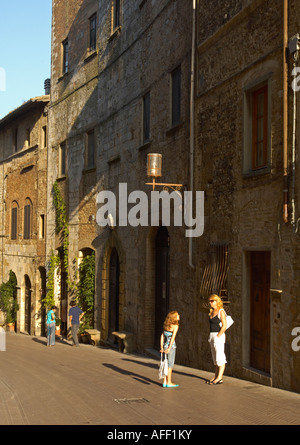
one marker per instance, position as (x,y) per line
(82,335)
(57,327)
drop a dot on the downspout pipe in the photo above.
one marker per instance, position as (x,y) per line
(192,124)
(293,217)
(285,112)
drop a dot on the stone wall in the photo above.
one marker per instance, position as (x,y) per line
(24,181)
(245,210)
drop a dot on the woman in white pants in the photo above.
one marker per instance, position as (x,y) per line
(217,321)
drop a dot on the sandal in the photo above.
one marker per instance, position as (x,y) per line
(218,382)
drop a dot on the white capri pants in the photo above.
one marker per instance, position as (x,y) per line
(217,345)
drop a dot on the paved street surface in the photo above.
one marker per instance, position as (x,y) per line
(65,385)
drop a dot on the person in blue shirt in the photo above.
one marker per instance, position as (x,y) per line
(75,315)
(51,323)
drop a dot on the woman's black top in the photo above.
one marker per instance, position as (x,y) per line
(215,324)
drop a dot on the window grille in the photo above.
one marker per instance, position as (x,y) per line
(214,280)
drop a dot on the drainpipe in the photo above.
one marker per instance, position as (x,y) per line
(293,218)
(192,126)
(285,111)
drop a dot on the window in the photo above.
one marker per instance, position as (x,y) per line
(15,140)
(14,222)
(116,13)
(214,279)
(93,32)
(90,149)
(62,159)
(65,66)
(42,227)
(176,96)
(27,220)
(260,128)
(28,137)
(146,118)
(257,122)
(45,136)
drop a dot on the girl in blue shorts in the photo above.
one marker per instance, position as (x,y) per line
(168,345)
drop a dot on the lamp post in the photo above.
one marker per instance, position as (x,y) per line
(154,169)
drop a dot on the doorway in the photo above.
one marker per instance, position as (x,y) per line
(162,281)
(114,294)
(27,304)
(260,311)
(43,290)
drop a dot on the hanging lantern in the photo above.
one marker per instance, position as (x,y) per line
(154,165)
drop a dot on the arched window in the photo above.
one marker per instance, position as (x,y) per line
(14,221)
(27,219)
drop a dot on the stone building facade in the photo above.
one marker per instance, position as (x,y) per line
(246,158)
(111,104)
(23,152)
(123,85)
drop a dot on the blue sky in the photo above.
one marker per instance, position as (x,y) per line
(25,51)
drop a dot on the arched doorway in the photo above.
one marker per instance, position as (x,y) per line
(27,304)
(162,281)
(42,271)
(114,293)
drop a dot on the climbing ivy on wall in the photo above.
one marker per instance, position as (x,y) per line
(62,227)
(84,291)
(49,299)
(8,301)
(86,288)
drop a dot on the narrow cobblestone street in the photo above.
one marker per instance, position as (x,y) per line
(65,385)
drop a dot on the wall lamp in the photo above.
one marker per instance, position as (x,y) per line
(154,169)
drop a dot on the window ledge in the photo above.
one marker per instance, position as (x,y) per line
(88,170)
(62,76)
(145,145)
(115,33)
(259,172)
(90,55)
(113,159)
(62,178)
(175,128)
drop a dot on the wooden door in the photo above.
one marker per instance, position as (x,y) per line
(260,311)
(162,276)
(114,279)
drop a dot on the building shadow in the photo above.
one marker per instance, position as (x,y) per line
(138,377)
(155,366)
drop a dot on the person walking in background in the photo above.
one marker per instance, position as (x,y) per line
(217,337)
(51,317)
(75,315)
(168,345)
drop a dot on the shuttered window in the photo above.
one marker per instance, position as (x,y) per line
(90,149)
(146,118)
(117,14)
(176,96)
(260,128)
(14,223)
(93,32)
(65,61)
(27,221)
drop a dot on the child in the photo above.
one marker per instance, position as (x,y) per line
(168,345)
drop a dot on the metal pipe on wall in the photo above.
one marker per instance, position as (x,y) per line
(293,212)
(285,111)
(192,124)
